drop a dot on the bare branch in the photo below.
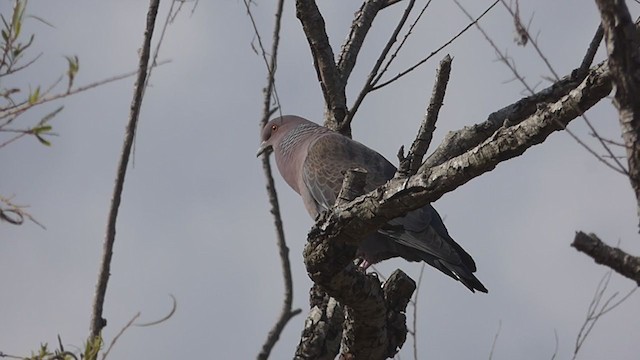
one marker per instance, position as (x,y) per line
(373,74)
(405,72)
(578,75)
(329,76)
(174,307)
(409,165)
(398,290)
(359,29)
(390,2)
(495,340)
(286,312)
(591,51)
(322,331)
(623,263)
(115,338)
(458,142)
(330,265)
(97,321)
(525,32)
(347,224)
(597,309)
(501,55)
(623,41)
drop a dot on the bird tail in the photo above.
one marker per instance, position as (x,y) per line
(458,272)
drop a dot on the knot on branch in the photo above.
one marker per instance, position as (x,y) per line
(398,290)
(352,186)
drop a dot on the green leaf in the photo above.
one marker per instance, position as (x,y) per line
(34,96)
(42,140)
(41,129)
(16,20)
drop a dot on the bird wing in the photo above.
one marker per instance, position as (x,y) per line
(421,234)
(328,159)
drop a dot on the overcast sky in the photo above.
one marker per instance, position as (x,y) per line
(195,222)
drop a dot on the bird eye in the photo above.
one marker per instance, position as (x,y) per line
(274,127)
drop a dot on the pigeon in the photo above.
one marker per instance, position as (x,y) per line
(313,161)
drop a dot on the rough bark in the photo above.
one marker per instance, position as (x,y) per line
(458,142)
(348,223)
(322,331)
(373,313)
(623,41)
(625,264)
(331,82)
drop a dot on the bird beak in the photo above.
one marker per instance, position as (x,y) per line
(264,148)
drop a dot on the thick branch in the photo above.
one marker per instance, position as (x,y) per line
(322,331)
(398,290)
(623,41)
(365,214)
(459,142)
(618,260)
(329,76)
(97,321)
(330,265)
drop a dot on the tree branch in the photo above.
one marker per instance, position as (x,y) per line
(286,312)
(409,165)
(374,74)
(618,260)
(461,141)
(623,41)
(359,29)
(97,321)
(322,331)
(347,224)
(328,74)
(330,265)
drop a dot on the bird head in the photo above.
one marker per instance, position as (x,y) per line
(275,130)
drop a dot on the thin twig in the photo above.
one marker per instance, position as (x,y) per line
(595,311)
(415,314)
(619,168)
(502,57)
(174,307)
(25,106)
(374,72)
(495,340)
(97,321)
(590,53)
(270,92)
(115,338)
(405,72)
(557,344)
(404,40)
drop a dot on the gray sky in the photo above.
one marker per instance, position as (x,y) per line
(194,221)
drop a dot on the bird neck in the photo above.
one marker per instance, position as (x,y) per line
(291,151)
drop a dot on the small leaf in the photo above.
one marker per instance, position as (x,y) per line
(5,36)
(42,140)
(34,96)
(41,129)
